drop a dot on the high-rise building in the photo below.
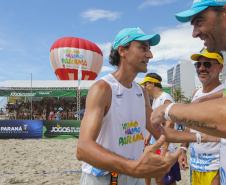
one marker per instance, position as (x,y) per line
(223,73)
(182,76)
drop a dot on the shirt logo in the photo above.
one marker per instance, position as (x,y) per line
(139,95)
(119,95)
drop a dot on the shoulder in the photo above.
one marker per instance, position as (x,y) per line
(99,93)
(100,86)
(196,92)
(167,98)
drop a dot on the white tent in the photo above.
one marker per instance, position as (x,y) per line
(45,84)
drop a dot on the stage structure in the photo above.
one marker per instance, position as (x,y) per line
(15,89)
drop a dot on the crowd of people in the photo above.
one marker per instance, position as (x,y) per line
(45,109)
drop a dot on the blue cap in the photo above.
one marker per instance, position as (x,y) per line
(129,34)
(198,6)
(60,108)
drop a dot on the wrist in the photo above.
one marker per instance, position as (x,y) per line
(185,149)
(166,116)
(198,137)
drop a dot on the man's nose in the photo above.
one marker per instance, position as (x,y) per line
(196,32)
(149,54)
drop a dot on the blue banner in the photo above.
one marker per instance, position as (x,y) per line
(21,129)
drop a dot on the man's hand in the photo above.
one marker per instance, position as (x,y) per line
(147,140)
(157,118)
(182,160)
(151,165)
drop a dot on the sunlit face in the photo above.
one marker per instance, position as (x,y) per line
(208,75)
(138,55)
(149,87)
(208,26)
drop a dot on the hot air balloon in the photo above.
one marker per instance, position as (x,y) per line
(68,53)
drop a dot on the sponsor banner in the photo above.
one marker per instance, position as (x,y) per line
(16,99)
(61,129)
(38,93)
(21,129)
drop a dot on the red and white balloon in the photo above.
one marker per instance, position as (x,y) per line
(68,53)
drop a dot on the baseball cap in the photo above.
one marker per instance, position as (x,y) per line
(60,108)
(129,34)
(149,79)
(206,54)
(198,6)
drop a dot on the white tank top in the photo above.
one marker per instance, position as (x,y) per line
(223,161)
(124,126)
(204,156)
(223,156)
(157,102)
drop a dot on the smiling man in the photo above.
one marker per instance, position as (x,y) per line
(204,159)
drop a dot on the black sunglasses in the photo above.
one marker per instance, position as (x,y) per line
(205,64)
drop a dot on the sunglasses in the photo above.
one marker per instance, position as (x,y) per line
(205,64)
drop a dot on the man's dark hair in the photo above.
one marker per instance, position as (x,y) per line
(217,8)
(114,58)
(155,76)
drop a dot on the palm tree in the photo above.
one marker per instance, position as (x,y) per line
(179,96)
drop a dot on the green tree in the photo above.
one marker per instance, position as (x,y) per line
(179,96)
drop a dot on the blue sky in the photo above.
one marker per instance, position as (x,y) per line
(30,27)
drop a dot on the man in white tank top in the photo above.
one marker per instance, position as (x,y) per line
(204,159)
(114,125)
(152,83)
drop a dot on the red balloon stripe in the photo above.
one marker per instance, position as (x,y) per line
(74,42)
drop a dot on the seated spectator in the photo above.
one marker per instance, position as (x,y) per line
(51,115)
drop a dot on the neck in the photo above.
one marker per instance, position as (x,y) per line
(125,75)
(157,92)
(208,88)
(124,78)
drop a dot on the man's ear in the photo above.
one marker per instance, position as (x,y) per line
(121,51)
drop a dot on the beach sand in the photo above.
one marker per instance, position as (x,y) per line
(43,161)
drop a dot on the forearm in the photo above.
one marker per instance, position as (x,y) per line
(175,136)
(216,95)
(100,158)
(208,117)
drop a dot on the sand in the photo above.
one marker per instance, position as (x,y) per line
(43,161)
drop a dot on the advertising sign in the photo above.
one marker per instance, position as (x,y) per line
(39,93)
(61,129)
(21,129)
(16,99)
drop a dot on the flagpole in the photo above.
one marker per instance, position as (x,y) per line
(31,96)
(79,91)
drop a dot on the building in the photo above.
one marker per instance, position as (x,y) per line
(182,76)
(222,76)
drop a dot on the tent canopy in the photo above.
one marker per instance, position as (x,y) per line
(45,84)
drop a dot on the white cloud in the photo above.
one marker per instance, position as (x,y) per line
(105,48)
(107,69)
(160,69)
(177,44)
(156,3)
(96,14)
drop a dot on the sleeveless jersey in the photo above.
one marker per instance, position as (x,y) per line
(223,155)
(157,102)
(204,156)
(124,126)
(223,161)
